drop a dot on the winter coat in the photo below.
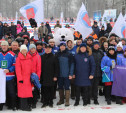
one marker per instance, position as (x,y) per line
(106,67)
(50,69)
(55,49)
(25,33)
(66,63)
(49,28)
(72,51)
(1,30)
(6,30)
(84,67)
(19,28)
(101,33)
(23,72)
(7,61)
(96,30)
(43,31)
(97,54)
(36,63)
(13,30)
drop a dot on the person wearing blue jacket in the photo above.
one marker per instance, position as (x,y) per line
(66,65)
(84,72)
(107,65)
(73,51)
(7,62)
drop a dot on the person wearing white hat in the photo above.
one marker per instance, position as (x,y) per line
(23,72)
(119,49)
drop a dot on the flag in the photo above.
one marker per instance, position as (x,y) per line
(119,79)
(16,17)
(34,10)
(83,24)
(125,17)
(120,27)
(61,18)
(104,20)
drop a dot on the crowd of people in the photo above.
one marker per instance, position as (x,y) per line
(74,69)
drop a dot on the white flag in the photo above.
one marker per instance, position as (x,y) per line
(83,24)
(34,10)
(120,27)
(16,17)
(61,18)
(125,17)
(104,20)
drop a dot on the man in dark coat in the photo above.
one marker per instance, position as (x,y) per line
(96,29)
(6,29)
(1,30)
(49,73)
(13,29)
(97,54)
(84,72)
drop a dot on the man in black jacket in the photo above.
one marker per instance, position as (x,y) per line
(13,29)
(97,54)
(49,73)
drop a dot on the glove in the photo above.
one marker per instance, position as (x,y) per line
(21,81)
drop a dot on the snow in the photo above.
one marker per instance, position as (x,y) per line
(101,108)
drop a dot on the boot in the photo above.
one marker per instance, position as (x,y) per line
(96,102)
(118,101)
(1,107)
(61,94)
(76,103)
(100,92)
(67,95)
(109,102)
(85,102)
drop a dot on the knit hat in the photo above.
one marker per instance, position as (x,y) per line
(4,43)
(32,46)
(90,37)
(83,45)
(62,43)
(96,42)
(120,45)
(51,40)
(47,46)
(23,47)
(111,48)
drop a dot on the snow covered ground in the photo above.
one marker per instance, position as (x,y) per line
(102,108)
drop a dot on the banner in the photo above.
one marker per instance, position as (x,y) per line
(2,86)
(111,13)
(34,10)
(119,80)
(120,27)
(97,15)
(83,24)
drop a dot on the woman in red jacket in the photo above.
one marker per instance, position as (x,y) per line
(36,63)
(23,72)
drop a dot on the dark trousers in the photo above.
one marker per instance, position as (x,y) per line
(25,103)
(55,88)
(94,88)
(85,92)
(108,92)
(11,93)
(63,83)
(48,94)
(1,107)
(72,88)
(35,96)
